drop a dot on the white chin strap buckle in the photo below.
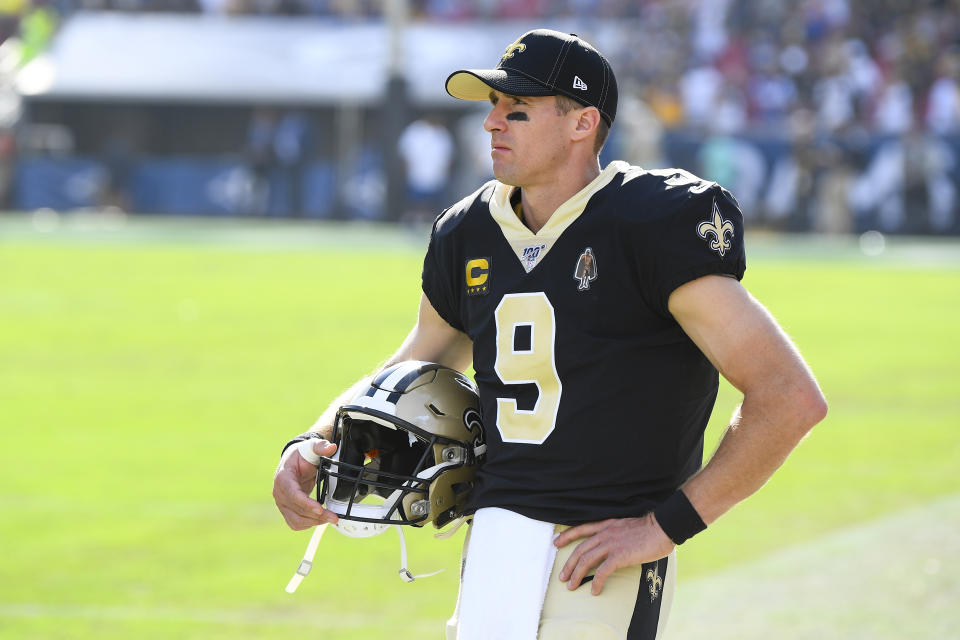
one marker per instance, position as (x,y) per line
(307,563)
(405,574)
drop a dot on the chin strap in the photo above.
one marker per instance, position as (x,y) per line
(452,529)
(306,451)
(307,563)
(405,574)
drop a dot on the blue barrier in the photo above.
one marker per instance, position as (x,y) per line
(896,185)
(59,183)
(176,185)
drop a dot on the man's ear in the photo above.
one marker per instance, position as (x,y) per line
(588,119)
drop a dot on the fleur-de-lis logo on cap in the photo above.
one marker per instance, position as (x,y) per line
(718,228)
(513,49)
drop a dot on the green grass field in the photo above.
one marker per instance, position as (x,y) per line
(150,371)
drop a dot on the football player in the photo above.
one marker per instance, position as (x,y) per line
(597,306)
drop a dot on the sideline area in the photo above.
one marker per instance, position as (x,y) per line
(114,227)
(896,577)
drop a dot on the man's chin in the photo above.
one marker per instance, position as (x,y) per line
(505,177)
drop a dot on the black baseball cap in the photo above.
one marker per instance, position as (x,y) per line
(544,62)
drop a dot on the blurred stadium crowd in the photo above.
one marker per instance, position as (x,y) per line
(881,64)
(828,115)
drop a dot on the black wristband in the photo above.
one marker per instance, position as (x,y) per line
(300,438)
(678,519)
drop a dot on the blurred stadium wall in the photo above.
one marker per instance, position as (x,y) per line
(833,116)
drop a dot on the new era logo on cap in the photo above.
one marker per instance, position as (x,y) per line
(551,63)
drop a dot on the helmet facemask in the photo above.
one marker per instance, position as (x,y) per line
(381,467)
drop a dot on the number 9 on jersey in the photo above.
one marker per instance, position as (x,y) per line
(526,335)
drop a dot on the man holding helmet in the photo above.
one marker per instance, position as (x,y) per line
(596,307)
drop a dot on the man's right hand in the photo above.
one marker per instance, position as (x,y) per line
(292,484)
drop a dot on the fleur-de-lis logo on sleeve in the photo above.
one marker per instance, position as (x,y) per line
(718,228)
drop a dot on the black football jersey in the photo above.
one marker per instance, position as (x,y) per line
(594,399)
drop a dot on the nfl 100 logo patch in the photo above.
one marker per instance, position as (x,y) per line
(530,255)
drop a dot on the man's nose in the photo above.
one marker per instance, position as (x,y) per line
(495,120)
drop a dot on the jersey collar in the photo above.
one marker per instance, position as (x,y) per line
(521,238)
(502,210)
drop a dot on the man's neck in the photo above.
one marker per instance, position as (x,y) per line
(540,201)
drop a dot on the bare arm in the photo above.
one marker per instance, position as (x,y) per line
(781,403)
(781,398)
(431,339)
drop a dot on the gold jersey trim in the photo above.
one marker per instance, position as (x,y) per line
(520,238)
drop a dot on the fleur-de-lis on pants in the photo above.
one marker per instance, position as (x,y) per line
(656,582)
